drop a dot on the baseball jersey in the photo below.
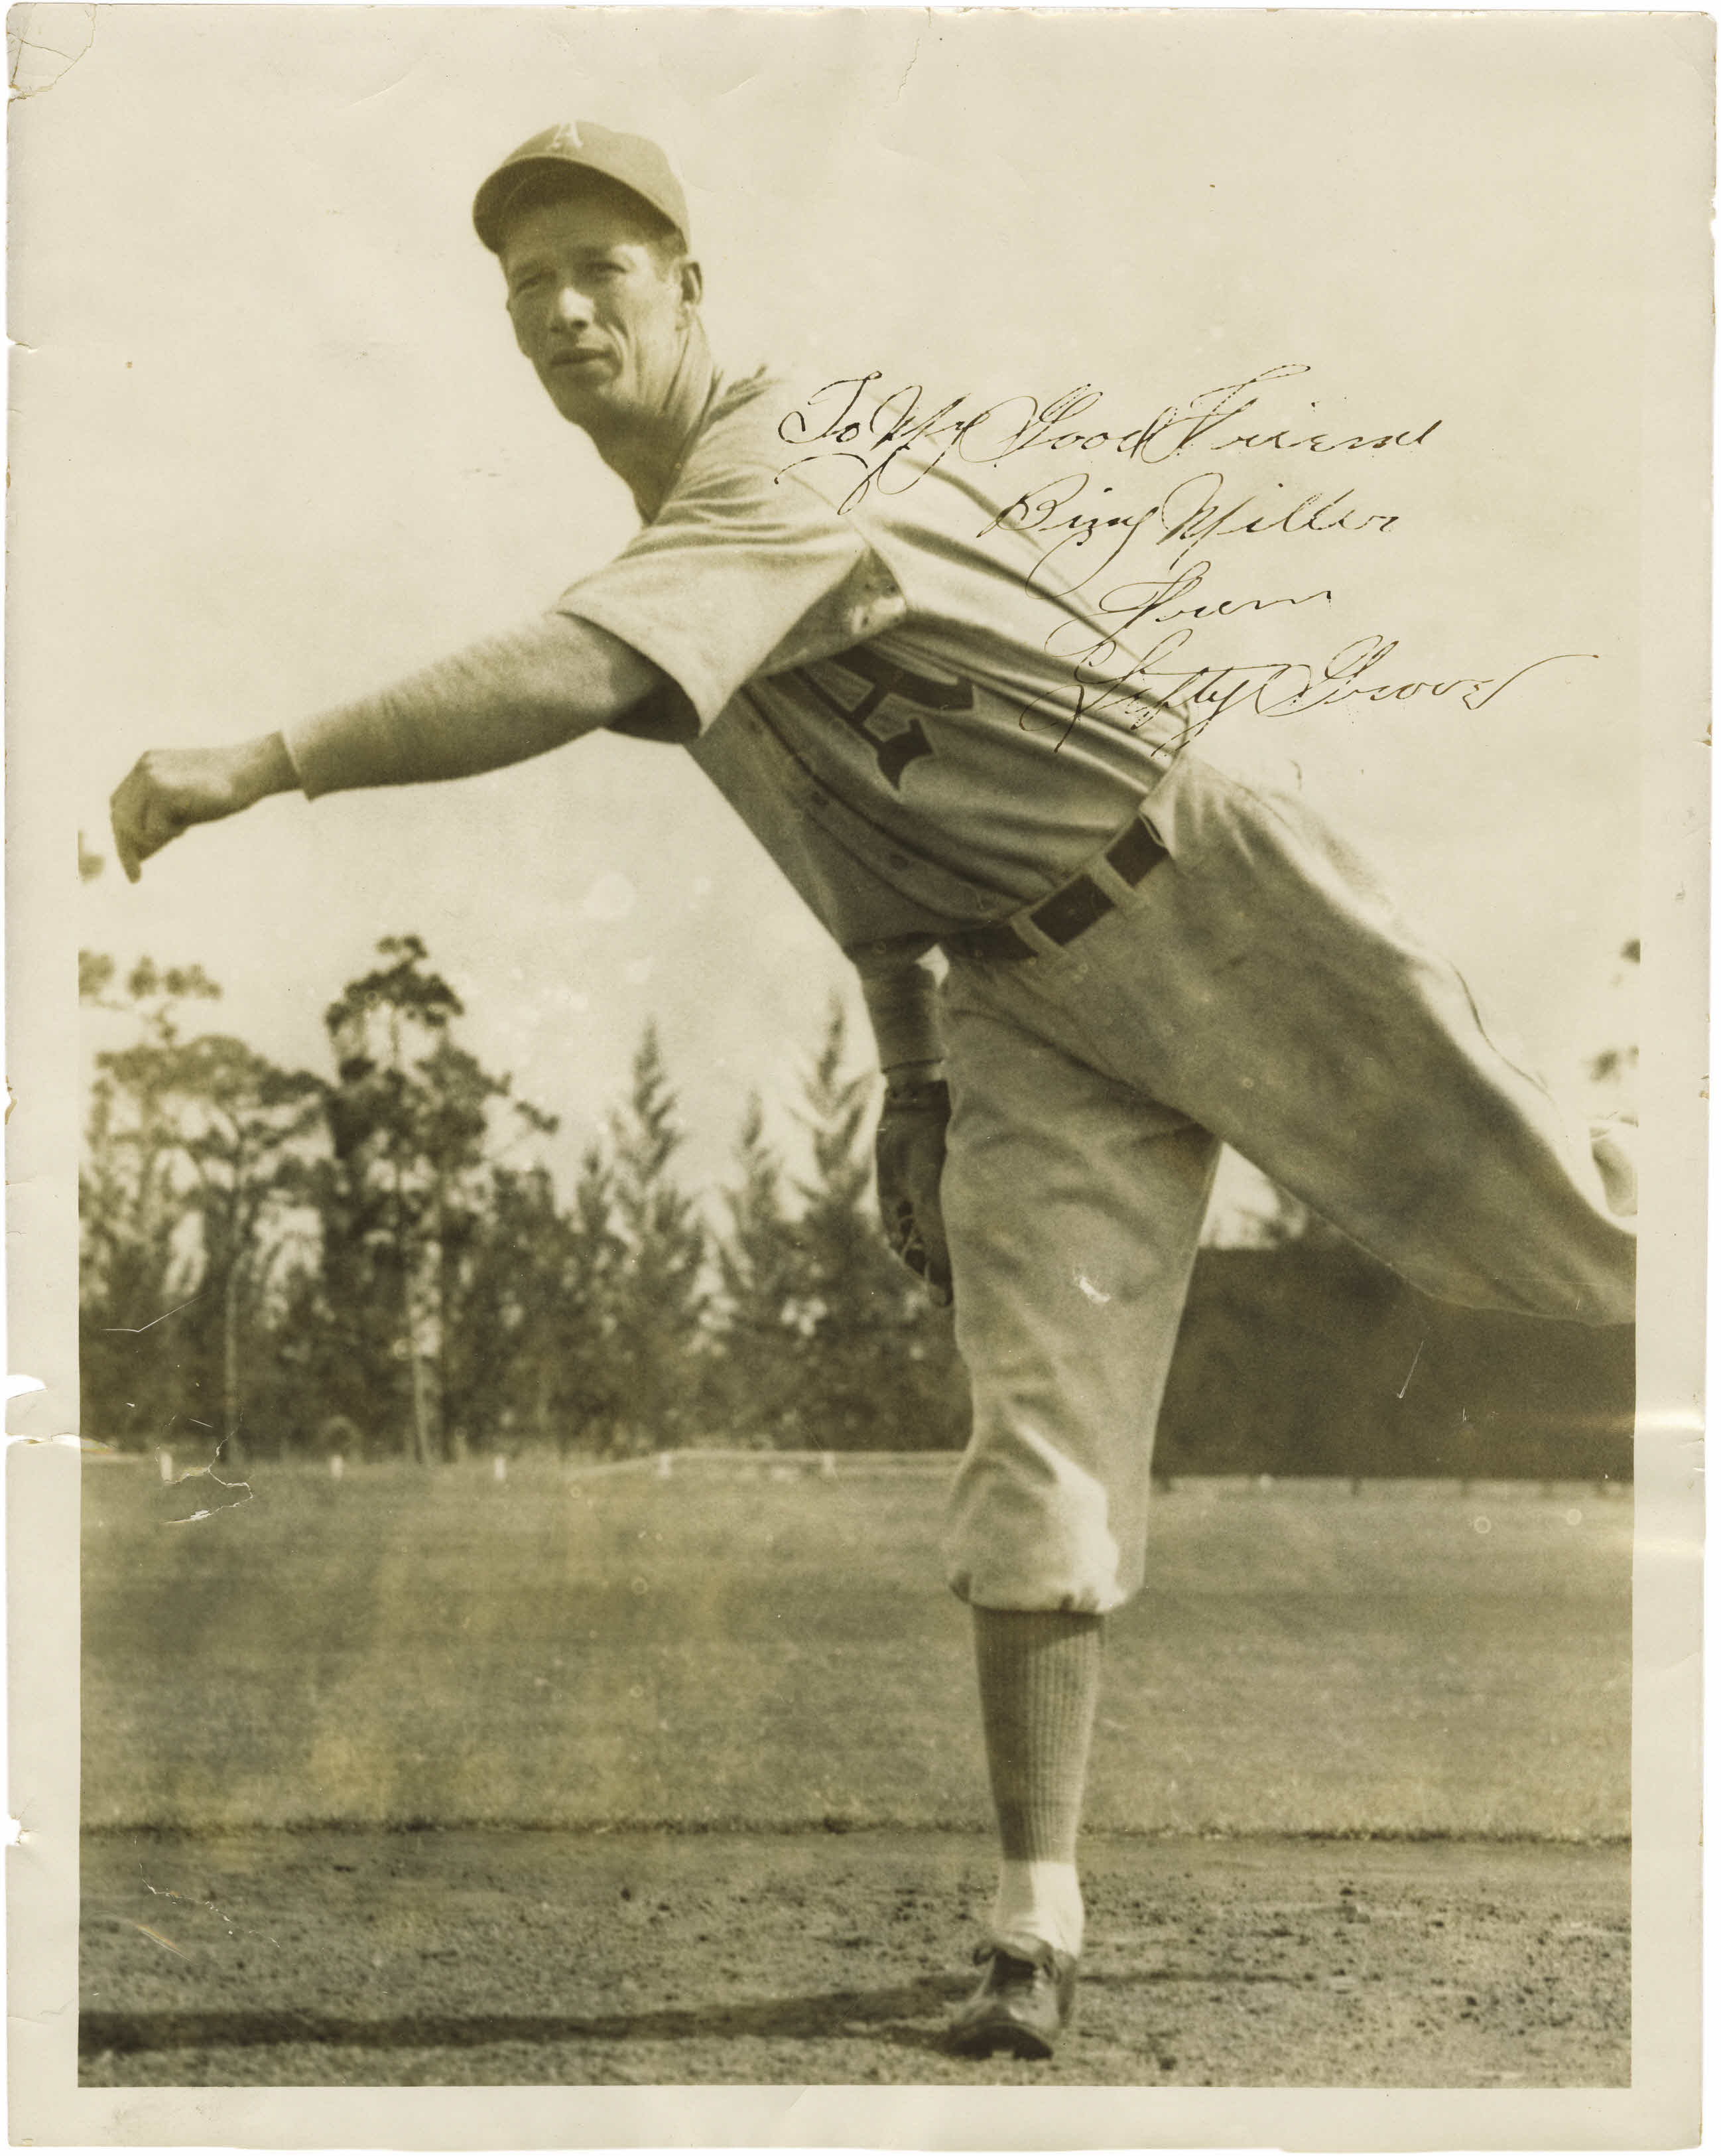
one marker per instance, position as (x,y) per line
(907,717)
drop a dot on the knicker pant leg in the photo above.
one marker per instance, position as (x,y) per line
(1261,981)
(1074,1207)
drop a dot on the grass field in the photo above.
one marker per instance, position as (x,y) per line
(320,1722)
(711,1651)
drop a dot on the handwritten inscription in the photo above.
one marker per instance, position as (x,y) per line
(1149,688)
(892,442)
(1129,536)
(1191,513)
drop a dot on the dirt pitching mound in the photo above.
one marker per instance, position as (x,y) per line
(368,1958)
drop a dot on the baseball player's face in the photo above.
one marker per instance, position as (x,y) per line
(596,309)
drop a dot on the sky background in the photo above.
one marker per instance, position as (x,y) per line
(274,447)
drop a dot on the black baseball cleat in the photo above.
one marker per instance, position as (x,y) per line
(1021,2006)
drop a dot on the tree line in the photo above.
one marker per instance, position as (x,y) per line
(375,1259)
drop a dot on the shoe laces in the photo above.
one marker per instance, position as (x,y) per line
(1043,1961)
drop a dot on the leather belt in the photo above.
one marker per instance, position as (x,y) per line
(1072,907)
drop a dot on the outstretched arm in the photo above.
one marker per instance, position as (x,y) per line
(497,703)
(910,1148)
(169,790)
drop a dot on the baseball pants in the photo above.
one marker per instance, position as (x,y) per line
(1257,987)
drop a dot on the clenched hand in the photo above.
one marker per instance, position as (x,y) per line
(909,1154)
(167,790)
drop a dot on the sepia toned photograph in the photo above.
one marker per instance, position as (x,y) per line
(884,844)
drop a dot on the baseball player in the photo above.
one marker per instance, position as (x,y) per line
(939,746)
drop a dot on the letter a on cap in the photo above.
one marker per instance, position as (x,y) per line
(630,161)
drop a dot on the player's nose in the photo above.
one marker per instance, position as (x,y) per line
(573,308)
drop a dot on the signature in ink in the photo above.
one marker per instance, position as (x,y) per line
(1149,693)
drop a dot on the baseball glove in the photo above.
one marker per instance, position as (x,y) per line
(909,1154)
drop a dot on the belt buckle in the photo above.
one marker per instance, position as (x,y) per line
(1072,907)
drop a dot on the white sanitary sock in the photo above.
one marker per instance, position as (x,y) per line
(1035,1902)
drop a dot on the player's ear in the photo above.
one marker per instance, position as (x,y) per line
(508,306)
(691,280)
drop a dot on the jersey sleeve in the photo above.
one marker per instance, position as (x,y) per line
(743,573)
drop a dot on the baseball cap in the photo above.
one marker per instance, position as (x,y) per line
(629,160)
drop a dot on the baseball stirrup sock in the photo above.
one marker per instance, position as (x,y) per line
(1039,1687)
(1037,1904)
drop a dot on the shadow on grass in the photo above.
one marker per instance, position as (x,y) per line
(890,2016)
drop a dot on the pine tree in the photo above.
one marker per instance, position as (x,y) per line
(653,1324)
(406,1198)
(247,1126)
(590,1389)
(504,1270)
(825,1340)
(194,1151)
(759,1384)
(376,1194)
(880,1364)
